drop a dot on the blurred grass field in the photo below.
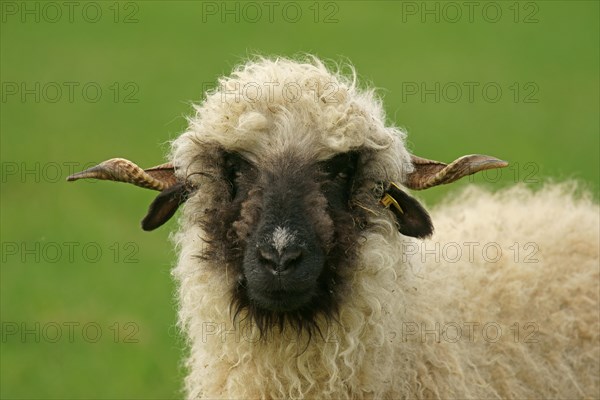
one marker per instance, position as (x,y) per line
(543,55)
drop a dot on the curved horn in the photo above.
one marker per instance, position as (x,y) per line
(429,173)
(159,178)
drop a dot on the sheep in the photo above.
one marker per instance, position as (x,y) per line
(302,270)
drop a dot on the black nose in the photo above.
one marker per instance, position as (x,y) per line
(279,262)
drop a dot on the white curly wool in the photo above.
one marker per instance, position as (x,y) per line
(268,105)
(502,302)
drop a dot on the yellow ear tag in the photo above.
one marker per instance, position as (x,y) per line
(388,199)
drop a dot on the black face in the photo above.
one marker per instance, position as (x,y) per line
(288,230)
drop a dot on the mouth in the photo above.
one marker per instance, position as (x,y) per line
(281,300)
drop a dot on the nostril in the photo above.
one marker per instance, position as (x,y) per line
(268,258)
(266,255)
(290,257)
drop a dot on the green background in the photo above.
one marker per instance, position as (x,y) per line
(162,55)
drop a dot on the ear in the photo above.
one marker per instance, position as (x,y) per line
(164,206)
(412,218)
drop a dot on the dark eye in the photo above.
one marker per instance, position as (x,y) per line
(236,169)
(339,177)
(341,167)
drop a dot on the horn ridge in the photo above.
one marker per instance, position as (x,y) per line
(122,170)
(429,173)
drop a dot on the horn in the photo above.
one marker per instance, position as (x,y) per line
(158,178)
(429,173)
(162,178)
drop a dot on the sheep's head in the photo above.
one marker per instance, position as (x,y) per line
(282,190)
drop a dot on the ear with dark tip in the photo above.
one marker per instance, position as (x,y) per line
(164,206)
(429,173)
(413,220)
